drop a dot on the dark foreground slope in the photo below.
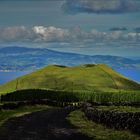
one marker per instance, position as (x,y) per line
(60,124)
(88,77)
(43,125)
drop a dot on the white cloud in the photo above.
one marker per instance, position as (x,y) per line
(53,34)
(12,33)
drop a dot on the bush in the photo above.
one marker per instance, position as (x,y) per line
(79,96)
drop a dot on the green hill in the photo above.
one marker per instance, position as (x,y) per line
(88,77)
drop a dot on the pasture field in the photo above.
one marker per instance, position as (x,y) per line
(90,77)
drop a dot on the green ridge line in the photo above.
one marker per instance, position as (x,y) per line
(109,76)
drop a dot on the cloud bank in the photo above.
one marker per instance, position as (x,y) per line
(118,29)
(101,6)
(42,34)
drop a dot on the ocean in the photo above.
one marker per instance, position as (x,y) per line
(8,76)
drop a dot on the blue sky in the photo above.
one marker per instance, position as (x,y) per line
(81,26)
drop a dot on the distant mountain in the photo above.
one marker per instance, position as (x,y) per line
(97,77)
(15,50)
(22,58)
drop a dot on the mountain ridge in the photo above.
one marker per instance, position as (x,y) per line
(23,58)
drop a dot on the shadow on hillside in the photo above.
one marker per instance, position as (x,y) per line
(44,125)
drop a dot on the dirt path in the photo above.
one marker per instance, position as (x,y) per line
(44,125)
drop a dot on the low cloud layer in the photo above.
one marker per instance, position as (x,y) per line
(101,6)
(41,34)
(118,29)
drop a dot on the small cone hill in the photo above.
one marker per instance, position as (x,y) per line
(89,77)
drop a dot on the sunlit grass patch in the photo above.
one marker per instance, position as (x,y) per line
(97,131)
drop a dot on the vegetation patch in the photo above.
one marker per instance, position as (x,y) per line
(97,131)
(114,119)
(65,96)
(120,108)
(6,114)
(98,78)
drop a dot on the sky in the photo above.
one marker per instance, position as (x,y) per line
(107,27)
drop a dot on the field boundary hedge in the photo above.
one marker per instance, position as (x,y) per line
(129,98)
(114,119)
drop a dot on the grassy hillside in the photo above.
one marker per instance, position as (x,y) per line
(79,78)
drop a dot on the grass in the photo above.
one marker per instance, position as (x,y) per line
(59,96)
(6,114)
(120,108)
(121,96)
(79,78)
(97,131)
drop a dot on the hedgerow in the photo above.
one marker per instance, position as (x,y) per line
(79,96)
